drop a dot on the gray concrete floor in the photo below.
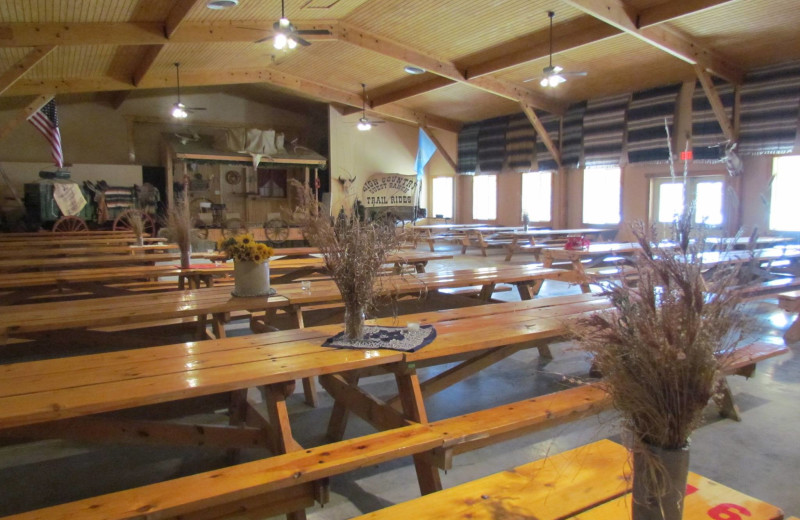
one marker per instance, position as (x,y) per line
(757,456)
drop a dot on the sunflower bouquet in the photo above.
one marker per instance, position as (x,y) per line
(244,248)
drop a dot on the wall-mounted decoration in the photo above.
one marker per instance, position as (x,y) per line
(233,177)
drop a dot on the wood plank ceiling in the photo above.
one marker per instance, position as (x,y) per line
(478,54)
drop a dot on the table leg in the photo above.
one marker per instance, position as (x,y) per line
(420,266)
(218,325)
(338,420)
(486,292)
(414,409)
(793,333)
(511,248)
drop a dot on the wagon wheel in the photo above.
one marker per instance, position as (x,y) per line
(233,226)
(123,221)
(70,223)
(276,230)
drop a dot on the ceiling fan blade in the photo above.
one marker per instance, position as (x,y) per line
(530,79)
(301,41)
(565,73)
(262,40)
(192,109)
(320,32)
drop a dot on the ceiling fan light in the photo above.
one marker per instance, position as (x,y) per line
(284,22)
(363,125)
(557,69)
(556,80)
(179,111)
(218,5)
(280,41)
(291,43)
(544,82)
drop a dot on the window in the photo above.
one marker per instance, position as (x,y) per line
(443,197)
(783,213)
(705,192)
(601,196)
(537,195)
(484,197)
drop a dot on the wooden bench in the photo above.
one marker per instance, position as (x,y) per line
(790,302)
(742,362)
(770,288)
(590,482)
(292,481)
(475,237)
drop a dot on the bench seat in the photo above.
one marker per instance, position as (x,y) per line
(265,484)
(769,288)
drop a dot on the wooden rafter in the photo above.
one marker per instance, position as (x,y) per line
(150,56)
(716,103)
(446,69)
(177,15)
(434,83)
(33,105)
(441,149)
(624,18)
(540,130)
(20,68)
(667,11)
(145,33)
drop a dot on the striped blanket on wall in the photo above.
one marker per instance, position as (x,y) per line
(468,149)
(603,130)
(647,113)
(572,135)
(492,144)
(706,133)
(520,143)
(770,101)
(544,159)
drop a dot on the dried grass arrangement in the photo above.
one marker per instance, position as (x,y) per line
(662,346)
(179,229)
(136,223)
(354,251)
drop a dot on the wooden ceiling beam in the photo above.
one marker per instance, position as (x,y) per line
(21,68)
(566,36)
(364,39)
(206,78)
(177,15)
(441,149)
(21,116)
(434,83)
(623,17)
(150,56)
(145,33)
(446,69)
(716,103)
(671,10)
(541,132)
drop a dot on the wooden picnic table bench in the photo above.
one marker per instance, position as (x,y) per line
(10,265)
(285,482)
(55,241)
(39,252)
(532,240)
(591,482)
(789,301)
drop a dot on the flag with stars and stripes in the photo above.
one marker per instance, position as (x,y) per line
(46,121)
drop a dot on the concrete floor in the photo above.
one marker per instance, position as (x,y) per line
(757,456)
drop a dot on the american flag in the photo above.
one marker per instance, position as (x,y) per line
(46,121)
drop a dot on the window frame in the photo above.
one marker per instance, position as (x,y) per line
(690,195)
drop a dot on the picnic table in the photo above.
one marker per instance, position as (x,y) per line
(11,265)
(737,243)
(591,482)
(55,241)
(543,236)
(102,249)
(584,261)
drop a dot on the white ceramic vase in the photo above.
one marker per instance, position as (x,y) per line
(250,279)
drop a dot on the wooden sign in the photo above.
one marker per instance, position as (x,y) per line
(390,189)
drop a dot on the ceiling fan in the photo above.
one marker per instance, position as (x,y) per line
(179,110)
(553,75)
(287,36)
(365,124)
